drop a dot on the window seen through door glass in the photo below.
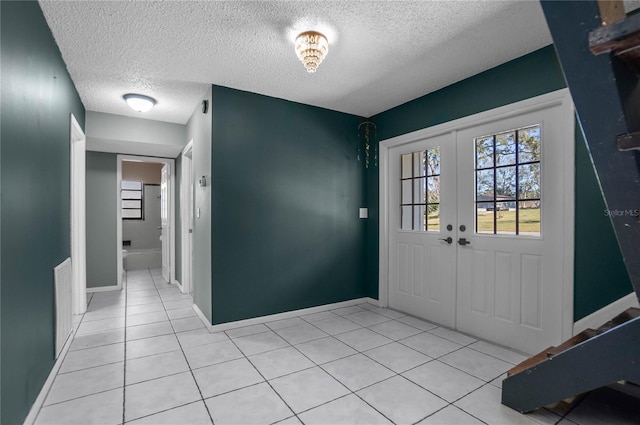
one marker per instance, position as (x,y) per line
(507,174)
(420,190)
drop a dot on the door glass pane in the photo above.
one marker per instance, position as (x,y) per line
(420,191)
(514,180)
(406,166)
(529,144)
(433,217)
(418,164)
(406,218)
(505,183)
(506,218)
(433,189)
(406,192)
(484,185)
(419,218)
(433,161)
(484,219)
(529,181)
(529,218)
(484,152)
(506,148)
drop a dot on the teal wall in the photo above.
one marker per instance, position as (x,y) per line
(37,99)
(102,220)
(286,188)
(600,276)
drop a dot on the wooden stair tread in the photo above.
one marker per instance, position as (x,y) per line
(530,362)
(577,339)
(621,318)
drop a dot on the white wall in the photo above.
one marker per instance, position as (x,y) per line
(134,136)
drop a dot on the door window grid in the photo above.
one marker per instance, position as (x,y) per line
(507,174)
(132,196)
(420,190)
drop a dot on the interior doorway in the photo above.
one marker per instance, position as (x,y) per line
(145,215)
(479,219)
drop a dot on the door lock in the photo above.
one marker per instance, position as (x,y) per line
(463,241)
(448,240)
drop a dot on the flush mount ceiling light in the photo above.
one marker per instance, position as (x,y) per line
(139,102)
(311,48)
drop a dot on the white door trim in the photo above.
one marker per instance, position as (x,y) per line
(563,99)
(78,217)
(185,211)
(172,209)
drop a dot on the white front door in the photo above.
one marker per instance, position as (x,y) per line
(165,204)
(501,189)
(421,260)
(510,201)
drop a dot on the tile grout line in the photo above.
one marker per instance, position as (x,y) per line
(185,359)
(124,374)
(266,380)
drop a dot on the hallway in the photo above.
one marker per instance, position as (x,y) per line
(142,356)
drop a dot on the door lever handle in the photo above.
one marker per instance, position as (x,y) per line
(463,242)
(447,240)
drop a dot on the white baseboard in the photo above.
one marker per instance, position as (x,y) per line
(44,391)
(606,313)
(104,288)
(280,316)
(202,317)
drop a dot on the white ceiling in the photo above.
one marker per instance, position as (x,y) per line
(382,53)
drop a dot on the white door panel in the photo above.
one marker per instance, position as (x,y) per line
(422,265)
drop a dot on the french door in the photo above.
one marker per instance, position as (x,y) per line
(475,228)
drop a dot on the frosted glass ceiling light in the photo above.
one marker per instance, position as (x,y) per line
(139,102)
(311,48)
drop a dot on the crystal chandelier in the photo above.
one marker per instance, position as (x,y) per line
(311,48)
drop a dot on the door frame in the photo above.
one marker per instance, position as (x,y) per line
(172,208)
(186,209)
(560,98)
(78,237)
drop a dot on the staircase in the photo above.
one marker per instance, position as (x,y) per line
(589,360)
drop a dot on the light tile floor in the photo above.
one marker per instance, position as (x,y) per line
(142,356)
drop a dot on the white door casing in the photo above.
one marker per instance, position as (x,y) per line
(186,216)
(170,251)
(526,306)
(78,217)
(164,221)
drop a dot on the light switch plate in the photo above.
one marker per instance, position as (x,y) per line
(364,212)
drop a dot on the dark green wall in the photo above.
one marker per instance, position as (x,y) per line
(600,274)
(37,98)
(102,219)
(286,188)
(596,253)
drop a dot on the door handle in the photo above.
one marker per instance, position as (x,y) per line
(463,241)
(447,240)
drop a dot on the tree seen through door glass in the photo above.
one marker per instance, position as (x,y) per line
(420,190)
(508,189)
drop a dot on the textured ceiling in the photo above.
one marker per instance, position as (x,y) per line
(382,53)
